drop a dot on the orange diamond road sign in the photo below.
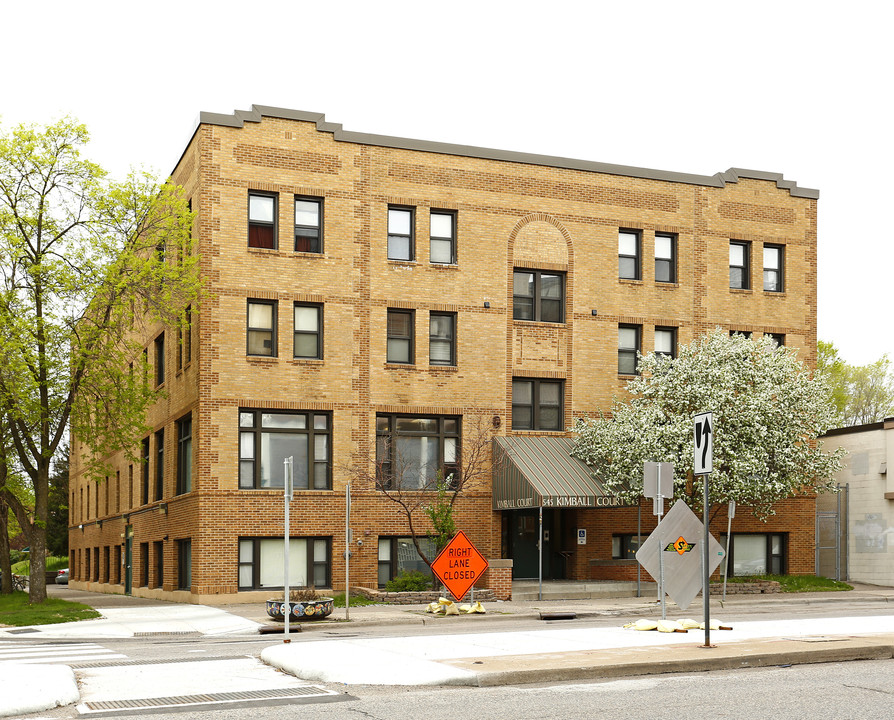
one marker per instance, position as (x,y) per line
(459,565)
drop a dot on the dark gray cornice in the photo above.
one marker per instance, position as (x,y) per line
(240,117)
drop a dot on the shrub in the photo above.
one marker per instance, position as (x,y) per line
(412,581)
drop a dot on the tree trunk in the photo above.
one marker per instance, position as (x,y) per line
(5,564)
(37,591)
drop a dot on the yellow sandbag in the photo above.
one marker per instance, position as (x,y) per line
(689,624)
(433,607)
(477,607)
(669,626)
(642,624)
(465,608)
(716,625)
(451,609)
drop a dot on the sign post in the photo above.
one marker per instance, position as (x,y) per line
(348,551)
(658,483)
(459,565)
(703,447)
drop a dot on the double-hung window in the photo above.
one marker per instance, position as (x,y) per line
(262,221)
(400,336)
(308,330)
(666,342)
(184,454)
(773,268)
(261,330)
(400,233)
(665,258)
(629,338)
(442,237)
(262,562)
(267,437)
(537,404)
(629,246)
(538,295)
(308,224)
(160,360)
(412,451)
(159,464)
(442,339)
(739,265)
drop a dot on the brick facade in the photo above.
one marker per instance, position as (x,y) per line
(511,212)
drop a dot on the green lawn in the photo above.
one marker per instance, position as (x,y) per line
(53,564)
(17,611)
(356,600)
(797,583)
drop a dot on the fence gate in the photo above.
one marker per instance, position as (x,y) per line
(831,534)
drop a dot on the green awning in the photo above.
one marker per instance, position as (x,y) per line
(538,470)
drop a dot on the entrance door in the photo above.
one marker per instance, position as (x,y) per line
(525,531)
(128,559)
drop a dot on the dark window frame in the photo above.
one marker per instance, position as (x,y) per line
(744,269)
(776,563)
(312,564)
(387,432)
(158,550)
(779,285)
(625,352)
(521,302)
(184,564)
(390,566)
(440,341)
(637,257)
(409,338)
(144,564)
(627,545)
(452,214)
(312,234)
(410,238)
(184,454)
(671,262)
(777,338)
(318,333)
(257,429)
(159,464)
(144,479)
(159,344)
(257,228)
(184,339)
(537,407)
(673,333)
(249,329)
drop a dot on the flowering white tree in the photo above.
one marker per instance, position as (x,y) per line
(768,412)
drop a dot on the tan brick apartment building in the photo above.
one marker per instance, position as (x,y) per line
(368,288)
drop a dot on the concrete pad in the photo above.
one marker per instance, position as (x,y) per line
(20,696)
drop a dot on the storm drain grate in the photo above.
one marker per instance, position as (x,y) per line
(123,663)
(22,631)
(204,698)
(171,633)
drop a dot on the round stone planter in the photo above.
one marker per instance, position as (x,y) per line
(301,610)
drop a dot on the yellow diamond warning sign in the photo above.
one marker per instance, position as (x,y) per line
(680,546)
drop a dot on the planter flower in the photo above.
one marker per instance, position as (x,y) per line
(305,605)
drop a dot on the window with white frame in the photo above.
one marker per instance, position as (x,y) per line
(268,437)
(262,563)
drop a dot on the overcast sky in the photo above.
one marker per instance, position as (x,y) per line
(801,88)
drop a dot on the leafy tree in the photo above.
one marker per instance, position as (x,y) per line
(768,412)
(57,507)
(861,393)
(82,260)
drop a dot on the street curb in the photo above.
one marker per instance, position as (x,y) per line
(735,657)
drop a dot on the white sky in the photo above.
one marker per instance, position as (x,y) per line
(801,88)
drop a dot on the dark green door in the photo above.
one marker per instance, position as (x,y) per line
(525,529)
(128,559)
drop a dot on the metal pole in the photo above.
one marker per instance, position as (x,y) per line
(540,558)
(706,587)
(838,534)
(730,511)
(287,487)
(639,542)
(348,551)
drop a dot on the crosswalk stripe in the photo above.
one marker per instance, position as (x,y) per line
(53,653)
